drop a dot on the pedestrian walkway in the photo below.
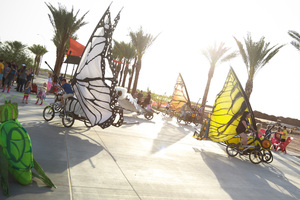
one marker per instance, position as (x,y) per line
(144,159)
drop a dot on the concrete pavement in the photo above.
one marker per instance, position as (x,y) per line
(157,159)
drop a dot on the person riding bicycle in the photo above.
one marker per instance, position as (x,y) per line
(139,97)
(242,127)
(184,110)
(147,100)
(168,106)
(68,92)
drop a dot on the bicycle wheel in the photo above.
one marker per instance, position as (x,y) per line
(267,156)
(68,119)
(187,122)
(178,120)
(87,123)
(196,122)
(148,116)
(255,156)
(48,113)
(231,150)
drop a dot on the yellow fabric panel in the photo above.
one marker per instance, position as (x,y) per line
(229,106)
(180,95)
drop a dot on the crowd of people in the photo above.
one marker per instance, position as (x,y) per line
(22,77)
(11,73)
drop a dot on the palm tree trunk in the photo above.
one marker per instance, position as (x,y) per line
(130,80)
(132,74)
(125,75)
(137,73)
(38,65)
(121,74)
(60,54)
(210,76)
(57,68)
(249,87)
(118,69)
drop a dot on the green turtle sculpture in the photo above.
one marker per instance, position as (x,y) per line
(16,150)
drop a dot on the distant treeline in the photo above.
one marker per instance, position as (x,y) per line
(290,121)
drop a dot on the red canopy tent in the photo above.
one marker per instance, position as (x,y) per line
(75,49)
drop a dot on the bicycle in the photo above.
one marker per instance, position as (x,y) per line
(168,112)
(257,148)
(191,117)
(71,111)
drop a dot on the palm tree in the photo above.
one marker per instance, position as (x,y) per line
(15,51)
(295,35)
(39,51)
(129,54)
(65,25)
(124,52)
(255,56)
(214,54)
(12,49)
(141,43)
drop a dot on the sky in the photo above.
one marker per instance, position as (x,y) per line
(185,28)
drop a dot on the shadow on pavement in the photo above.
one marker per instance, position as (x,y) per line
(240,178)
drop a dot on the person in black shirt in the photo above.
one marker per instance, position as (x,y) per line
(139,97)
(147,99)
(243,126)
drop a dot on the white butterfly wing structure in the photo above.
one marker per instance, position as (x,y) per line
(95,78)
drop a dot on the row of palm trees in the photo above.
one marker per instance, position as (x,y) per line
(255,54)
(134,50)
(16,51)
(66,24)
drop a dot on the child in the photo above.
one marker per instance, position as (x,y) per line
(27,90)
(284,134)
(258,126)
(41,95)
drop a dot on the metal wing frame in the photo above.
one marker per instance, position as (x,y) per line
(95,78)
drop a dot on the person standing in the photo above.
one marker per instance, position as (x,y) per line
(1,72)
(41,95)
(283,135)
(7,67)
(22,78)
(49,82)
(9,78)
(60,78)
(27,90)
(29,76)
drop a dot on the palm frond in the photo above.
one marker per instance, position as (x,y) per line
(242,52)
(296,45)
(230,56)
(271,55)
(295,35)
